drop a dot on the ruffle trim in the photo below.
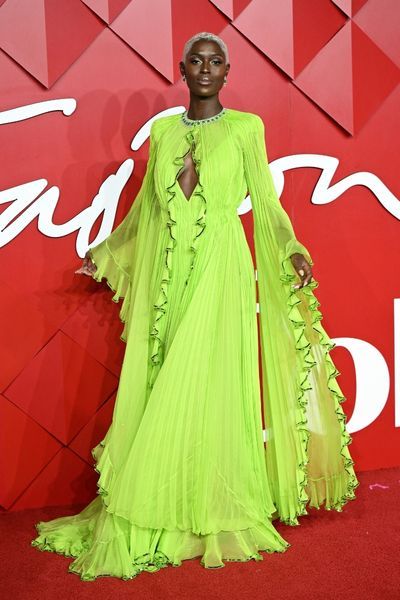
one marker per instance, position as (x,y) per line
(160,306)
(125,549)
(53,542)
(120,285)
(73,536)
(200,222)
(333,496)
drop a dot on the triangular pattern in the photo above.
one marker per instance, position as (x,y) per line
(350,7)
(382,26)
(46,38)
(14,355)
(23,36)
(374,76)
(286,31)
(226,7)
(20,464)
(341,81)
(231,8)
(107,10)
(313,28)
(146,26)
(59,366)
(327,79)
(269,26)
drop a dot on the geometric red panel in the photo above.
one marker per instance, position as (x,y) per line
(17,347)
(158,29)
(382,26)
(25,448)
(66,480)
(290,32)
(341,81)
(350,7)
(94,431)
(312,29)
(95,325)
(46,37)
(231,8)
(225,6)
(62,387)
(146,26)
(371,86)
(107,9)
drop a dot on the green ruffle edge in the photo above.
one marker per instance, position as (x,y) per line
(120,283)
(303,347)
(150,561)
(250,541)
(162,300)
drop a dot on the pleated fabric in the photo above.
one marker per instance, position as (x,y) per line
(183,469)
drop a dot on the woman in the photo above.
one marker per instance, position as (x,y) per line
(183,471)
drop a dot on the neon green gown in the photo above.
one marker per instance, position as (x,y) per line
(183,469)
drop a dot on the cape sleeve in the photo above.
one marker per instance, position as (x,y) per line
(117,257)
(270,218)
(307,456)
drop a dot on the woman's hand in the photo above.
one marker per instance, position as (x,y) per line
(303,269)
(88,267)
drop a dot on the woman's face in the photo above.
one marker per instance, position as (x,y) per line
(205,68)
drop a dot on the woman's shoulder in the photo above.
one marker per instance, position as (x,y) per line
(249,126)
(245,121)
(246,118)
(163,122)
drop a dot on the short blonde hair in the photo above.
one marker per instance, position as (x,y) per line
(205,35)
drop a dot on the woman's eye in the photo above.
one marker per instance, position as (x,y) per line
(215,61)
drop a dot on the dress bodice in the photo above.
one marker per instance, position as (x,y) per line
(217,154)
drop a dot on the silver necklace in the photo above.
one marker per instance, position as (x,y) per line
(188,121)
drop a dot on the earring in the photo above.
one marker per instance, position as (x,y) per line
(183,78)
(225,81)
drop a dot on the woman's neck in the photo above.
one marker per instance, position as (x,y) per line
(203,108)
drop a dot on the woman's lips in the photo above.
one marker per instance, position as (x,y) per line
(204,81)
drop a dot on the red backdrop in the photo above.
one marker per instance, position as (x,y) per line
(78,80)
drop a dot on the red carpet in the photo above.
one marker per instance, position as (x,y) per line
(354,554)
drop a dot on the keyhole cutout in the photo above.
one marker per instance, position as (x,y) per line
(188,178)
